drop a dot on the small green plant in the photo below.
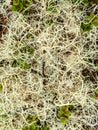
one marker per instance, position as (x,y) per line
(33,127)
(64,113)
(20,5)
(89,22)
(25,128)
(34,124)
(22,63)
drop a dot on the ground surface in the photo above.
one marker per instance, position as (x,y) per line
(46,62)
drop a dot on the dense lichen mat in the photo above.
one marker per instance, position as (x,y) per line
(48,64)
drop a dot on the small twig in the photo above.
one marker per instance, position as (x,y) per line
(95,8)
(36,72)
(43,73)
(43,68)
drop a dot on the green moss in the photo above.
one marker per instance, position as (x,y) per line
(1,87)
(64,120)
(4,116)
(87,2)
(16,53)
(45,127)
(20,5)
(89,22)
(91,2)
(85,27)
(96,68)
(71,108)
(25,65)
(96,91)
(33,127)
(52,6)
(28,50)
(95,96)
(31,118)
(15,63)
(91,19)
